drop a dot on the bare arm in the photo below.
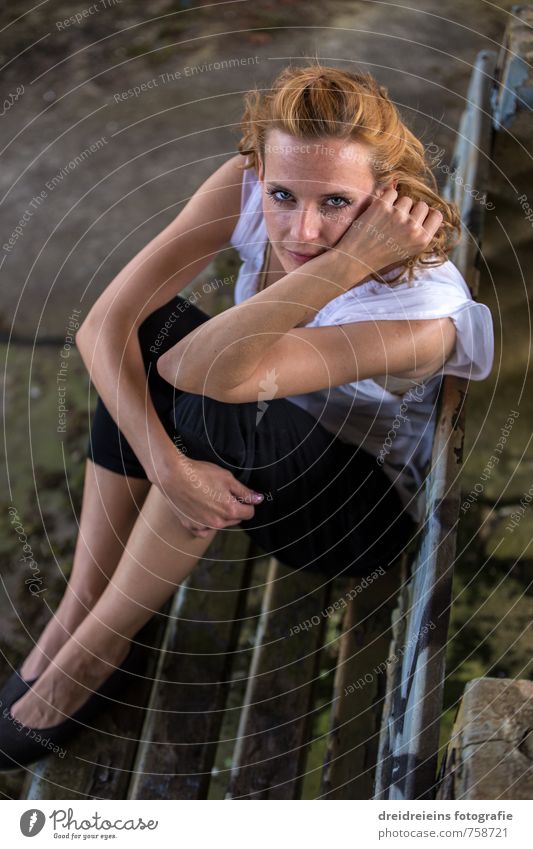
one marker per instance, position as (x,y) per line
(222,355)
(109,347)
(114,362)
(107,339)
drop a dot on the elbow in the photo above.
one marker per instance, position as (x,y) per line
(166,371)
(84,337)
(186,381)
(175,374)
(89,330)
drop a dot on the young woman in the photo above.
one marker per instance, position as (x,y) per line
(304,413)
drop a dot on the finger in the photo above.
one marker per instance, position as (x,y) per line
(404,203)
(433,222)
(419,211)
(245,495)
(245,511)
(242,510)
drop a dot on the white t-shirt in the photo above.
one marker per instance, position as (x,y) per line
(396,427)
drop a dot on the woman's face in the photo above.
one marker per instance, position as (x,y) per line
(312,191)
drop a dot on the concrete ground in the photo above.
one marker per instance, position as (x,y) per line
(68,91)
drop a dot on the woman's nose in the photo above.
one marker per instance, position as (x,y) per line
(305,225)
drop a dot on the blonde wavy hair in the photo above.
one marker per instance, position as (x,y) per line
(317,101)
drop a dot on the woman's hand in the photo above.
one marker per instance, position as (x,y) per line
(205,496)
(388,232)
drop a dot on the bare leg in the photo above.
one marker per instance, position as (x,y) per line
(111,503)
(159,554)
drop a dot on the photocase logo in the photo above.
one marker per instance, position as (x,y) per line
(32,822)
(268,389)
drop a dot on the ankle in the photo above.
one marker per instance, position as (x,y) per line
(34,665)
(95,649)
(67,618)
(44,650)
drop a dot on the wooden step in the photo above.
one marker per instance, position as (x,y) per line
(490,753)
(274,730)
(359,687)
(180,733)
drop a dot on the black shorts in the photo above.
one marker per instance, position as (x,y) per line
(328,505)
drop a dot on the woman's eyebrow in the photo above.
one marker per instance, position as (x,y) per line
(272,185)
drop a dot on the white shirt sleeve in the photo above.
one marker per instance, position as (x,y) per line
(435,293)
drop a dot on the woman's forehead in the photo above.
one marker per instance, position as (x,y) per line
(328,160)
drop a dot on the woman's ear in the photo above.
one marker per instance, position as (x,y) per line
(392,185)
(260,168)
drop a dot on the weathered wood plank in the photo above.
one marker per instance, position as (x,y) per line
(515,94)
(181,729)
(274,729)
(417,703)
(359,686)
(470,167)
(393,680)
(490,753)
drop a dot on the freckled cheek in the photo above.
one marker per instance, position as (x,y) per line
(278,224)
(344,218)
(336,225)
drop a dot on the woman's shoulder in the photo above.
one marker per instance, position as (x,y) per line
(249,235)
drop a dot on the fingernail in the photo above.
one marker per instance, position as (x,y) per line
(257,496)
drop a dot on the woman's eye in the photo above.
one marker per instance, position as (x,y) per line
(344,201)
(275,193)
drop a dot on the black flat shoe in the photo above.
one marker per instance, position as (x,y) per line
(14,688)
(21,745)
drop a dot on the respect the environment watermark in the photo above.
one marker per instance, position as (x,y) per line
(51,185)
(186,72)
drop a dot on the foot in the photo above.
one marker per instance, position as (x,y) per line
(68,683)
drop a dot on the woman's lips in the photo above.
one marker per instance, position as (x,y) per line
(301,257)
